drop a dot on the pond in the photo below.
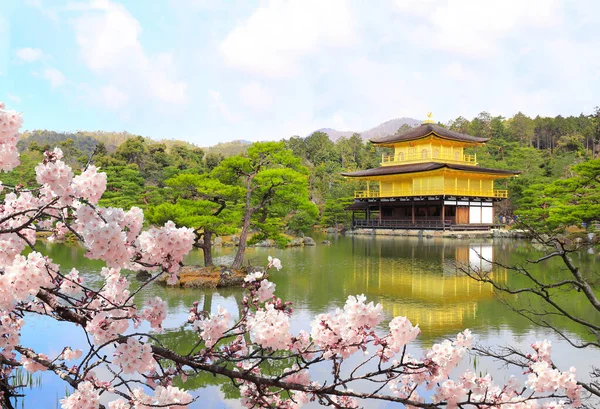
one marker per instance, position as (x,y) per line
(415,277)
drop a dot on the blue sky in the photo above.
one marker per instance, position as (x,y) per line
(210,71)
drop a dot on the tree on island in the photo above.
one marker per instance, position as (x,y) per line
(126,367)
(201,203)
(273,182)
(267,176)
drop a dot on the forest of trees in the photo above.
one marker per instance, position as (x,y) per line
(154,175)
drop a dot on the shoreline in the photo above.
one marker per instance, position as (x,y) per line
(457,234)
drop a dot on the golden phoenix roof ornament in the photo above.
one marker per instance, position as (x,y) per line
(429,119)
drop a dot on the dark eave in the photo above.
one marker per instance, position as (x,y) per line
(424,167)
(424,130)
(357,206)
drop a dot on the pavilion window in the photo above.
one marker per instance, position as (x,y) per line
(436,153)
(424,154)
(450,211)
(400,156)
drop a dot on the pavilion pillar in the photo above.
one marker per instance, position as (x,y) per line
(413,211)
(380,213)
(443,216)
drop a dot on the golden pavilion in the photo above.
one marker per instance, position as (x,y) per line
(429,182)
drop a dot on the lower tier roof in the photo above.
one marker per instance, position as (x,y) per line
(425,167)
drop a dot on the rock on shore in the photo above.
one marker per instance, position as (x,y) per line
(209,277)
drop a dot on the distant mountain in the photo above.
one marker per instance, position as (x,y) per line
(229,148)
(387,128)
(335,135)
(86,141)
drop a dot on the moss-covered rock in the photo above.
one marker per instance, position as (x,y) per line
(209,277)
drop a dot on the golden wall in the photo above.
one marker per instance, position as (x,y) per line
(447,183)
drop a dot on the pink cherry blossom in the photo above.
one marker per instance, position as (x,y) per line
(10,328)
(344,331)
(25,276)
(270,328)
(71,284)
(133,356)
(169,397)
(266,290)
(32,366)
(274,262)
(90,184)
(119,404)
(213,328)
(543,350)
(70,354)
(85,397)
(299,376)
(10,122)
(102,236)
(166,246)
(155,311)
(252,277)
(401,333)
(57,176)
(451,392)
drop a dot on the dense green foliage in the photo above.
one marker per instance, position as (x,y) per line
(274,186)
(544,149)
(326,161)
(574,201)
(178,181)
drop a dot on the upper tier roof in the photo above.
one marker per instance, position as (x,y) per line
(424,167)
(425,129)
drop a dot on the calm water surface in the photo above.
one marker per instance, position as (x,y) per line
(415,277)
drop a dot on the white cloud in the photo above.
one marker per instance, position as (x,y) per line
(49,13)
(455,71)
(112,97)
(4,44)
(220,104)
(14,98)
(54,76)
(108,39)
(308,65)
(277,35)
(257,97)
(474,27)
(203,5)
(30,54)
(338,122)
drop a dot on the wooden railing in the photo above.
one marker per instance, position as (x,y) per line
(363,194)
(389,160)
(418,224)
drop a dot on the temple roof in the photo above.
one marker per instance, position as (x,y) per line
(424,167)
(357,206)
(424,130)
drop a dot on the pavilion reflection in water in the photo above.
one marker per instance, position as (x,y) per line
(434,293)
